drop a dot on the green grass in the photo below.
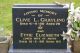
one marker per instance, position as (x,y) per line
(6,10)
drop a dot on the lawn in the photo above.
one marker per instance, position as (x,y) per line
(6,10)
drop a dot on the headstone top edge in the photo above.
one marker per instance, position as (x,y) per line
(39,6)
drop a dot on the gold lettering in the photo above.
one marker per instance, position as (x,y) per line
(52,20)
(23,20)
(30,12)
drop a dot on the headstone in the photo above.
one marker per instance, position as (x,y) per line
(39,27)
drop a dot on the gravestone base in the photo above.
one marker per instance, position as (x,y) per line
(11,50)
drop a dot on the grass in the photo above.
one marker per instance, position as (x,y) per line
(6,10)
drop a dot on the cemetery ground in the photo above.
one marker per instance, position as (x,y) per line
(6,12)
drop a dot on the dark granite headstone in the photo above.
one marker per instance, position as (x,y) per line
(39,26)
